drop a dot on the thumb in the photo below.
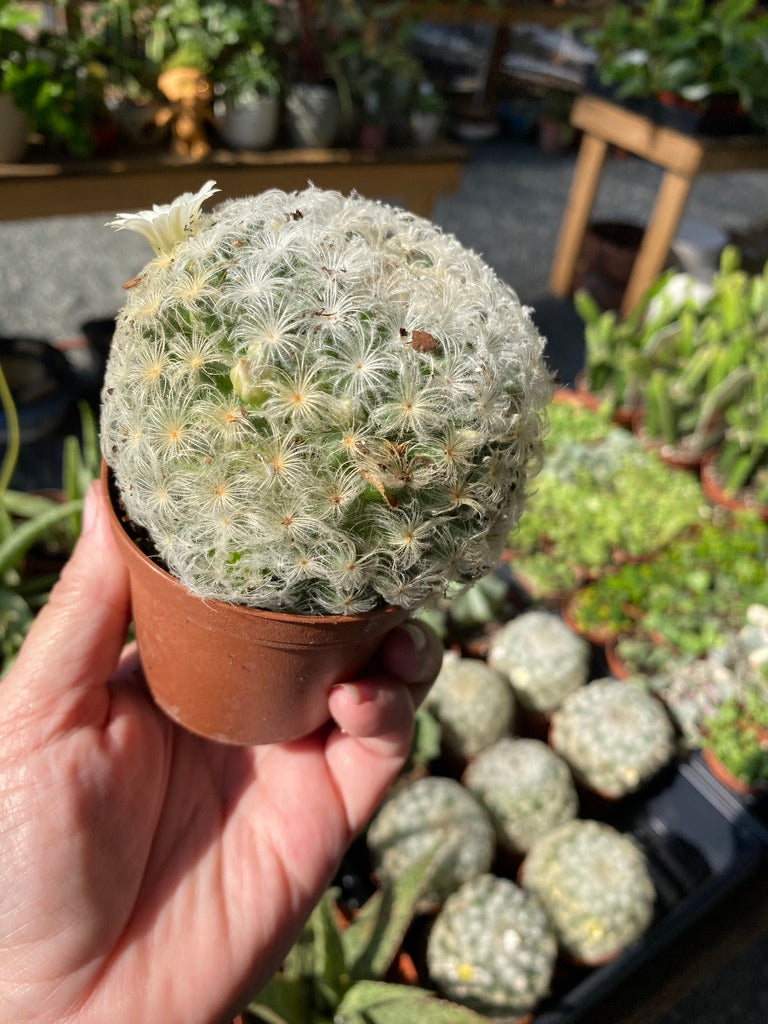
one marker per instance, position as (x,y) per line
(74,643)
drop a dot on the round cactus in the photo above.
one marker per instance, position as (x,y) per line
(526,788)
(614,735)
(542,659)
(472,702)
(320,404)
(594,884)
(492,948)
(432,814)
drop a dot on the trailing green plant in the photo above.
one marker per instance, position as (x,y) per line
(319,403)
(335,974)
(737,735)
(691,48)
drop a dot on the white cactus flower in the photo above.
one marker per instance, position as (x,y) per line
(164,226)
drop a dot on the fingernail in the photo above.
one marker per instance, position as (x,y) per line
(358,693)
(91,507)
(416,635)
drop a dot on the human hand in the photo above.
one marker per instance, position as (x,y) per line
(147,874)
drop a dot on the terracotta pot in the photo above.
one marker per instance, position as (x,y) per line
(723,776)
(235,674)
(714,492)
(676,456)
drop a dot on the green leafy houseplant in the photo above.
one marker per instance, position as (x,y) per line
(686,363)
(319,405)
(689,48)
(29,521)
(737,736)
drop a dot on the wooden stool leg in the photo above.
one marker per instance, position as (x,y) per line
(586,178)
(662,227)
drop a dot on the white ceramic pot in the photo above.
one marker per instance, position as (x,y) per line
(248,125)
(313,115)
(425,126)
(14,126)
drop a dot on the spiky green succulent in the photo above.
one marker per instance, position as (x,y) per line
(320,404)
(492,948)
(614,735)
(473,703)
(593,881)
(526,788)
(542,659)
(436,814)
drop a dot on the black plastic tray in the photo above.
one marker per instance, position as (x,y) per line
(701,843)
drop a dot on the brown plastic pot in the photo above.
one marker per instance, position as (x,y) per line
(235,674)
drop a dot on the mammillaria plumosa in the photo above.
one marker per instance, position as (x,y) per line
(595,886)
(492,948)
(320,404)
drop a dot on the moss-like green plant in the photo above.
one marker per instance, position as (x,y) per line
(320,404)
(621,500)
(737,734)
(690,595)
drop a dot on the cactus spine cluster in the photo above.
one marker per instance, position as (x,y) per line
(473,703)
(492,948)
(594,884)
(526,788)
(320,404)
(438,815)
(614,735)
(542,659)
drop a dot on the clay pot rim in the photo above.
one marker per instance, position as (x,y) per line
(246,611)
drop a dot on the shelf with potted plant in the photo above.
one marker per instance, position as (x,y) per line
(693,66)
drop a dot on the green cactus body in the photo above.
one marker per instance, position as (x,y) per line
(526,788)
(432,814)
(615,736)
(594,884)
(541,657)
(492,948)
(320,404)
(473,703)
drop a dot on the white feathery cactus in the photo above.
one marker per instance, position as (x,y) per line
(526,788)
(432,814)
(593,882)
(473,703)
(492,948)
(320,404)
(542,659)
(614,735)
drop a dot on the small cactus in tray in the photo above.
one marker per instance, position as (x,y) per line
(614,735)
(473,703)
(526,788)
(541,657)
(431,813)
(594,883)
(320,404)
(492,948)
